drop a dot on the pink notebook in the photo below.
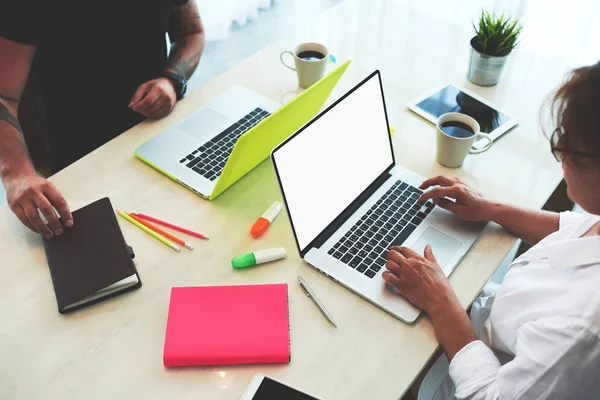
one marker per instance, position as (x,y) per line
(219,325)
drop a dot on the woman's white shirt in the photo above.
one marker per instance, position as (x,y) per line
(542,338)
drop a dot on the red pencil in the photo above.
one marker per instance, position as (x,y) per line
(169,225)
(161,232)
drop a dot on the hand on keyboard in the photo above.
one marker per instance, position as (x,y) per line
(417,277)
(468,204)
(389,221)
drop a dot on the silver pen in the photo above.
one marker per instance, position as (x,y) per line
(309,292)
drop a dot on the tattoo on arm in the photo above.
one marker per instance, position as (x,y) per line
(187,67)
(186,34)
(7,117)
(184,20)
(5,97)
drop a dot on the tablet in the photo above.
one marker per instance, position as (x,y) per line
(264,388)
(450,99)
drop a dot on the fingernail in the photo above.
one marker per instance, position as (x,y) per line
(48,236)
(69,223)
(59,231)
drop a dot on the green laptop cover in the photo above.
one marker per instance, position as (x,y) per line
(256,145)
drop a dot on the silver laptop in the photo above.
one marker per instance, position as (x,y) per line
(348,201)
(223,141)
(195,151)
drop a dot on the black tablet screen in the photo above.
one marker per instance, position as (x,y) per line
(271,390)
(450,99)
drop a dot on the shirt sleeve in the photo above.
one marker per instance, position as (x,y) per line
(555,358)
(566,218)
(178,3)
(21,20)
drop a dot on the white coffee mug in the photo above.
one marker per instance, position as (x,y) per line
(452,150)
(309,70)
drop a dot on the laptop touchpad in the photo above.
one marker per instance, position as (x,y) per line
(203,123)
(443,246)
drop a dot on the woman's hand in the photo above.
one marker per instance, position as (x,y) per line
(423,283)
(468,204)
(418,278)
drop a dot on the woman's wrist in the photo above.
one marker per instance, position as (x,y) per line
(443,304)
(496,211)
(452,326)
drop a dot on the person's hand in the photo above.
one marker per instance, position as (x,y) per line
(468,204)
(28,192)
(154,99)
(418,278)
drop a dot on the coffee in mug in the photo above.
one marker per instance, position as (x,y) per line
(310,55)
(456,134)
(310,62)
(457,129)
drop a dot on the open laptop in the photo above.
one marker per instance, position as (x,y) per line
(222,141)
(348,201)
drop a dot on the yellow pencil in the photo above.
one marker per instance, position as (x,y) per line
(148,230)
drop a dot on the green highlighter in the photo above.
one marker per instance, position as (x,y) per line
(257,257)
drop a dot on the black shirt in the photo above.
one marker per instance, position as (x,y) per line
(91,57)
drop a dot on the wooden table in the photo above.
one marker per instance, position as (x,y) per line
(114,349)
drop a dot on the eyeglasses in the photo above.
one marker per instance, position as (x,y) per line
(559,153)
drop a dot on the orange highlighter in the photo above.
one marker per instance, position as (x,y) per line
(262,223)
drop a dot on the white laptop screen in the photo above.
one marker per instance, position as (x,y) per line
(330,162)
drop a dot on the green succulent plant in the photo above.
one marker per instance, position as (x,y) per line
(496,34)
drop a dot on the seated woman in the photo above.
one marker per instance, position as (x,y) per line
(542,337)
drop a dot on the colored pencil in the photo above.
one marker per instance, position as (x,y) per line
(148,231)
(169,225)
(161,232)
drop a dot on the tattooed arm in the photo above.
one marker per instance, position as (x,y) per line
(156,98)
(26,191)
(187,39)
(15,62)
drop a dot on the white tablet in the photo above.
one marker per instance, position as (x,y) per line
(265,388)
(491,119)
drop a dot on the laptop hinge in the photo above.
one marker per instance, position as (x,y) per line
(351,209)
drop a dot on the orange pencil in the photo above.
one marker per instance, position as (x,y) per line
(160,231)
(170,225)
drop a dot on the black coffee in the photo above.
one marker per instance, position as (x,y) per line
(311,55)
(457,129)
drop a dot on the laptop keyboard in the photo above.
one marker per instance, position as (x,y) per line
(209,159)
(390,220)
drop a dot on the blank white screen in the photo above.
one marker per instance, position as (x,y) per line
(330,163)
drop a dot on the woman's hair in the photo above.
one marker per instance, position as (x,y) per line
(575,112)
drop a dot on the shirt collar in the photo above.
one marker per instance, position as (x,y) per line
(566,248)
(579,252)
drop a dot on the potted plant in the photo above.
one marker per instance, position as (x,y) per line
(495,37)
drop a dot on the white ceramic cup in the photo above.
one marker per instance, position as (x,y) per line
(451,150)
(309,71)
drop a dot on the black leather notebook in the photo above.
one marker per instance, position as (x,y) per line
(90,261)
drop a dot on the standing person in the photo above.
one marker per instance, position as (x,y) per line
(102,67)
